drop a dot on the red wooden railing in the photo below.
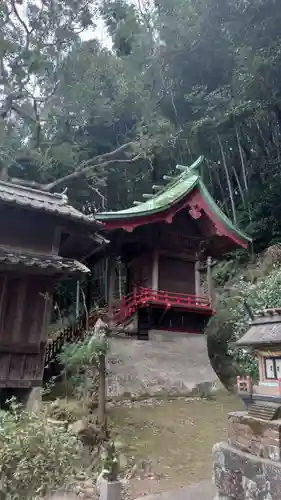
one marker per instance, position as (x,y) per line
(70,334)
(143,296)
(128,305)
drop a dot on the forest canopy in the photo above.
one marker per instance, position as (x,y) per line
(182,78)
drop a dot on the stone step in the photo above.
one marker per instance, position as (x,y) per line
(264,411)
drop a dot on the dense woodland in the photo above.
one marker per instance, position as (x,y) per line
(175,79)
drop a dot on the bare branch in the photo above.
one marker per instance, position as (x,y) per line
(81,173)
(21,21)
(105,155)
(9,104)
(21,112)
(102,197)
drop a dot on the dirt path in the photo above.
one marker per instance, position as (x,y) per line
(171,441)
(204,490)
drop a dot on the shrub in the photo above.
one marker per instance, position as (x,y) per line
(35,459)
(84,366)
(232,320)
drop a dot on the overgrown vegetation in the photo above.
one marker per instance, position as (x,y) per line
(37,458)
(173,80)
(257,285)
(85,369)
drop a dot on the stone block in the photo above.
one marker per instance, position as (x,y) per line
(109,490)
(255,436)
(239,475)
(34,399)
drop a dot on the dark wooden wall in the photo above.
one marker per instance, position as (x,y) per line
(141,271)
(25,309)
(26,230)
(176,275)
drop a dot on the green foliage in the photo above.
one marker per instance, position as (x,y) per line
(110,461)
(231,322)
(182,78)
(36,458)
(82,362)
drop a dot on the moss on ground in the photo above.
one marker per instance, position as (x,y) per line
(177,436)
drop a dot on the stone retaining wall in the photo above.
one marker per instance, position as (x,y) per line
(239,475)
(258,437)
(248,466)
(179,365)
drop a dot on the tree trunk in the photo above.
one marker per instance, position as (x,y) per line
(227,180)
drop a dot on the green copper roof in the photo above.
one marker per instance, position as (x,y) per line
(172,193)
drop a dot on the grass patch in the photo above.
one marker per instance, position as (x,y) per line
(177,436)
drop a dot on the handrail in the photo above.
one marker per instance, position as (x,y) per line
(141,296)
(178,294)
(70,334)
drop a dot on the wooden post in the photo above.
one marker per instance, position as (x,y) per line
(155,270)
(102,390)
(89,287)
(77,299)
(110,287)
(197,279)
(210,280)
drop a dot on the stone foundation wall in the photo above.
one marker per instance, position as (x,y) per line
(248,466)
(239,475)
(258,437)
(179,365)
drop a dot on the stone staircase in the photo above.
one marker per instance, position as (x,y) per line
(265,411)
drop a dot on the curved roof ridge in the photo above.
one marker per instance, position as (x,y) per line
(171,194)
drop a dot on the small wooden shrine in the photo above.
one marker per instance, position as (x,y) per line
(248,463)
(164,243)
(264,339)
(41,236)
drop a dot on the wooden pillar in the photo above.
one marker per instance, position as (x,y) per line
(155,270)
(197,279)
(210,280)
(88,297)
(128,284)
(77,299)
(110,287)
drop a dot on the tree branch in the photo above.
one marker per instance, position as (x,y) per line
(21,21)
(85,163)
(81,173)
(9,103)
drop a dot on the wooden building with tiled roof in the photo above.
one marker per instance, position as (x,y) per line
(163,242)
(42,238)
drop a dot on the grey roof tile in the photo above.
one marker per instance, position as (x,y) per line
(52,262)
(53,203)
(264,329)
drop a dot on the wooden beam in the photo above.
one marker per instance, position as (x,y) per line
(17,332)
(182,168)
(155,270)
(157,187)
(210,280)
(137,202)
(146,195)
(197,279)
(168,178)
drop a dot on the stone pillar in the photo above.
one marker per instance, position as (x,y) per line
(155,270)
(110,490)
(197,279)
(33,399)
